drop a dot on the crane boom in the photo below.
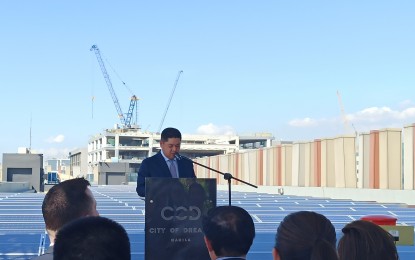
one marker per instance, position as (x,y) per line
(126,122)
(171,96)
(133,103)
(343,114)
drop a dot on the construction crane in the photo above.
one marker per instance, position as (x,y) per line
(346,122)
(125,120)
(168,103)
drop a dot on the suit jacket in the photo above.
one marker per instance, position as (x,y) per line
(47,256)
(156,166)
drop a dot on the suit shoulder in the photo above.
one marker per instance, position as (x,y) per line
(151,158)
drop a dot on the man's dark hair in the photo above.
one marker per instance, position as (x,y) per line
(170,132)
(89,238)
(65,202)
(230,230)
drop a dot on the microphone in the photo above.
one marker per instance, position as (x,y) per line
(180,157)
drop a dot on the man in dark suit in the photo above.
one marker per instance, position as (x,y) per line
(165,163)
(229,232)
(65,202)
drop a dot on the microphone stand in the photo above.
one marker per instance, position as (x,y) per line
(226,176)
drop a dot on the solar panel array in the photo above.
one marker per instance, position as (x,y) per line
(22,230)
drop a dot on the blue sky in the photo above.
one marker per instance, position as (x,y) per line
(248,66)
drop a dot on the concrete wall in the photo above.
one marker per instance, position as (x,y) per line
(390,159)
(286,163)
(113,173)
(200,171)
(345,162)
(409,157)
(327,162)
(298,164)
(14,186)
(364,160)
(269,165)
(24,168)
(373,160)
(385,159)
(79,162)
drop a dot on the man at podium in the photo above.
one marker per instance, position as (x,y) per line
(166,163)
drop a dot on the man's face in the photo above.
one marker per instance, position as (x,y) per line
(170,147)
(93,210)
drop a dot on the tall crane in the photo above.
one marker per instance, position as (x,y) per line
(171,96)
(125,120)
(344,117)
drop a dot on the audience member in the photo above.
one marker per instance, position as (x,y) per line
(64,202)
(229,232)
(305,235)
(95,238)
(364,240)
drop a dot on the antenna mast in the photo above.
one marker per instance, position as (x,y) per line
(30,135)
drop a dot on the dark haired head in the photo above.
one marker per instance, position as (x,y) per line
(364,240)
(230,230)
(95,238)
(170,142)
(305,235)
(67,201)
(170,132)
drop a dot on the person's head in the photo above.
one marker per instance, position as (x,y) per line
(65,202)
(170,141)
(229,231)
(365,240)
(95,238)
(305,235)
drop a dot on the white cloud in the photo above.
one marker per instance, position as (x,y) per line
(371,118)
(405,103)
(383,114)
(371,114)
(211,129)
(56,139)
(305,122)
(408,113)
(50,153)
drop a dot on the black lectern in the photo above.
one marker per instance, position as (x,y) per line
(174,210)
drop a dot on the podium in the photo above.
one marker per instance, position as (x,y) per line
(174,211)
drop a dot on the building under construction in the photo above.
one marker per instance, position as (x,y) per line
(115,155)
